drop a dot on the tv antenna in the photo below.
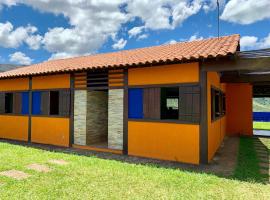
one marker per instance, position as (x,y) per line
(218,17)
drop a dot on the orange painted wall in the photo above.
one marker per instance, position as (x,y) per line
(14,84)
(166,141)
(47,130)
(217,128)
(178,73)
(239,109)
(14,127)
(51,81)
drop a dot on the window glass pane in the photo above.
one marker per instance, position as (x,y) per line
(135,103)
(169,103)
(54,103)
(8,103)
(172,103)
(217,104)
(36,102)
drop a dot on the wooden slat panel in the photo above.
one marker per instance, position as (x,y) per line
(116,78)
(151,103)
(196,104)
(17,103)
(45,103)
(2,102)
(80,80)
(116,85)
(80,74)
(64,102)
(189,103)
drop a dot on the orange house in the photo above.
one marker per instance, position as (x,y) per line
(171,102)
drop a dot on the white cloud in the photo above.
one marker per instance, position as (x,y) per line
(195,37)
(248,41)
(135,31)
(246,11)
(183,10)
(13,38)
(171,42)
(93,22)
(163,14)
(252,42)
(143,36)
(191,38)
(34,41)
(265,43)
(120,44)
(210,5)
(20,58)
(7,3)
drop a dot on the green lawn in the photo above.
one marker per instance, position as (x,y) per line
(95,178)
(247,168)
(261,125)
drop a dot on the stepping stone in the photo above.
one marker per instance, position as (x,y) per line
(259,145)
(58,162)
(264,165)
(262,154)
(264,161)
(18,175)
(261,150)
(263,157)
(264,171)
(257,142)
(39,168)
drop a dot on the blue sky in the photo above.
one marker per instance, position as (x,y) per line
(33,31)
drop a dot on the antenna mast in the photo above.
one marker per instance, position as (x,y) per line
(218,16)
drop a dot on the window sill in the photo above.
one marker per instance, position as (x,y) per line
(217,118)
(13,114)
(27,115)
(171,121)
(51,116)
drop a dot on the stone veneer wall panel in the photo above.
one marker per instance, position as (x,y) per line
(97,117)
(115,120)
(80,105)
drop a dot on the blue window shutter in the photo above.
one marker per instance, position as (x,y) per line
(25,103)
(36,103)
(135,103)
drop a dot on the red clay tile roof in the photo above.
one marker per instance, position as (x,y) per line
(182,52)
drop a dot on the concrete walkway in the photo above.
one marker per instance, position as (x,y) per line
(261,132)
(264,159)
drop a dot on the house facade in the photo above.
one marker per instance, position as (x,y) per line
(165,102)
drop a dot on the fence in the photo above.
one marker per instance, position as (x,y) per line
(261,116)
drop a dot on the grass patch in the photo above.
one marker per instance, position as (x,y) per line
(261,125)
(95,178)
(247,168)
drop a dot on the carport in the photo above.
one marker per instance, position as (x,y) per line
(246,76)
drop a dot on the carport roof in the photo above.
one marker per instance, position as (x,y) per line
(168,53)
